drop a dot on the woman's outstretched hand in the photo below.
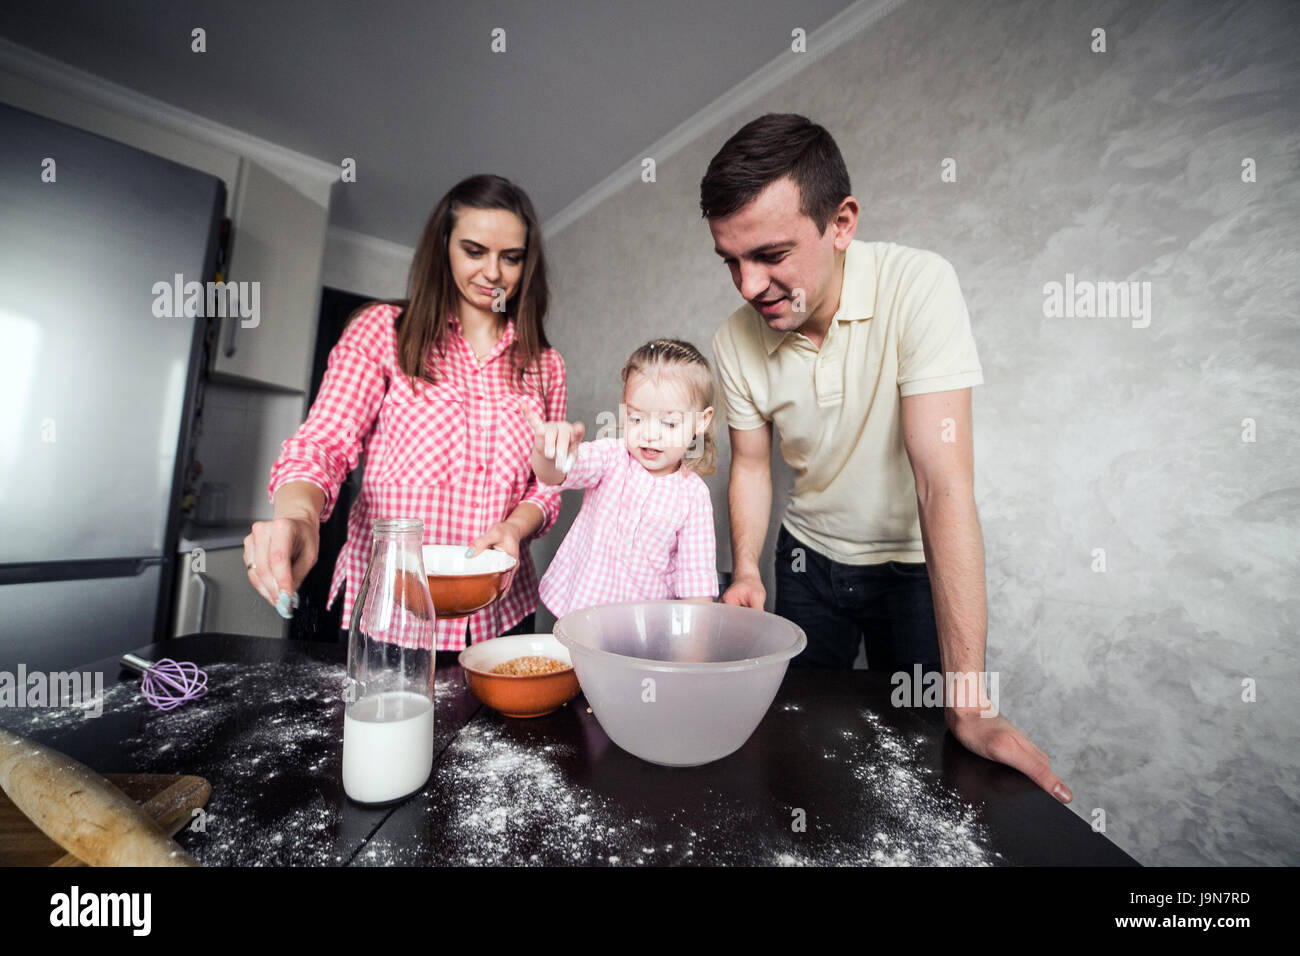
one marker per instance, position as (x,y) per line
(278,554)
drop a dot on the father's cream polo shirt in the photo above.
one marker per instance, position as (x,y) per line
(901,329)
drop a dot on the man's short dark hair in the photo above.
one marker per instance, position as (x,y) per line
(769,148)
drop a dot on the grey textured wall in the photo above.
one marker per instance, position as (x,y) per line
(1090,433)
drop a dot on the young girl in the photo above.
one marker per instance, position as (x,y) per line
(645,531)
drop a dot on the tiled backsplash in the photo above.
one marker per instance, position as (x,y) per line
(240,440)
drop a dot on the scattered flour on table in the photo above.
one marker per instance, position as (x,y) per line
(49,722)
(257,722)
(908,817)
(505,800)
(508,803)
(445,687)
(266,721)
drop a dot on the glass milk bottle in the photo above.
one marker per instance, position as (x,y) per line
(388,698)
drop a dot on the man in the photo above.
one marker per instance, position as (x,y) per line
(862,356)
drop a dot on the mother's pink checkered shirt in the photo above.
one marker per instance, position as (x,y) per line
(456,456)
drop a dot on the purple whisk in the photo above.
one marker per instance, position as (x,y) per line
(168,683)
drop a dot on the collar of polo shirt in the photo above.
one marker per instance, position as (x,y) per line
(857,294)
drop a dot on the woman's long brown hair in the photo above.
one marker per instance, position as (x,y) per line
(423,325)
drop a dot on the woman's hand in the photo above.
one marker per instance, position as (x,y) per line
(278,554)
(507,536)
(502,536)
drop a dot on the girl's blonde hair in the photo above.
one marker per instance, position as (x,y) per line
(685,361)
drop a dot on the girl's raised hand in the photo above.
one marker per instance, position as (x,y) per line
(553,443)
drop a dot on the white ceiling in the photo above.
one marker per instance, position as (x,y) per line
(412,90)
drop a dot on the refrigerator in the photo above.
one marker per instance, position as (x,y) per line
(98,380)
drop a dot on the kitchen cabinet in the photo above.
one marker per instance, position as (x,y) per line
(219,597)
(45,99)
(279,244)
(279,230)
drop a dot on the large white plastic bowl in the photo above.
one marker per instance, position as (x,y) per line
(679,683)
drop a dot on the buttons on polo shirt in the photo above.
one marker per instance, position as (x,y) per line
(828,371)
(829,385)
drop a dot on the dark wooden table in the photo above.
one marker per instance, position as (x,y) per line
(833,775)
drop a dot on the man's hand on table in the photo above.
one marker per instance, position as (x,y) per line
(746,591)
(996,738)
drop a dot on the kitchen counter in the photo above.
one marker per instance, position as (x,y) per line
(833,775)
(229,534)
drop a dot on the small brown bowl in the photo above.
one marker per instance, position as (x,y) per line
(459,585)
(531,695)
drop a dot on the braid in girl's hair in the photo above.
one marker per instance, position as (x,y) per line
(688,364)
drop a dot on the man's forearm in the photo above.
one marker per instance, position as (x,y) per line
(749,504)
(954,556)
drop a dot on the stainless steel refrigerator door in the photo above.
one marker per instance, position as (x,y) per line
(92,382)
(57,625)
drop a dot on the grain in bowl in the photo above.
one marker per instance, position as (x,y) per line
(516,691)
(529,665)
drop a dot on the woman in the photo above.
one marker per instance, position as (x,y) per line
(437,389)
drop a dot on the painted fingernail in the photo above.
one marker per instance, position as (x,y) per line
(469,552)
(1061,793)
(282,604)
(294,602)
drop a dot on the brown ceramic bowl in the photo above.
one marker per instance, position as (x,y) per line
(461,585)
(524,696)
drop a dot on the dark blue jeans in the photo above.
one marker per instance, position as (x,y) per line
(839,606)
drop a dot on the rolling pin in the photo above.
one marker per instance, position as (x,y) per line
(80,810)
(171,808)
